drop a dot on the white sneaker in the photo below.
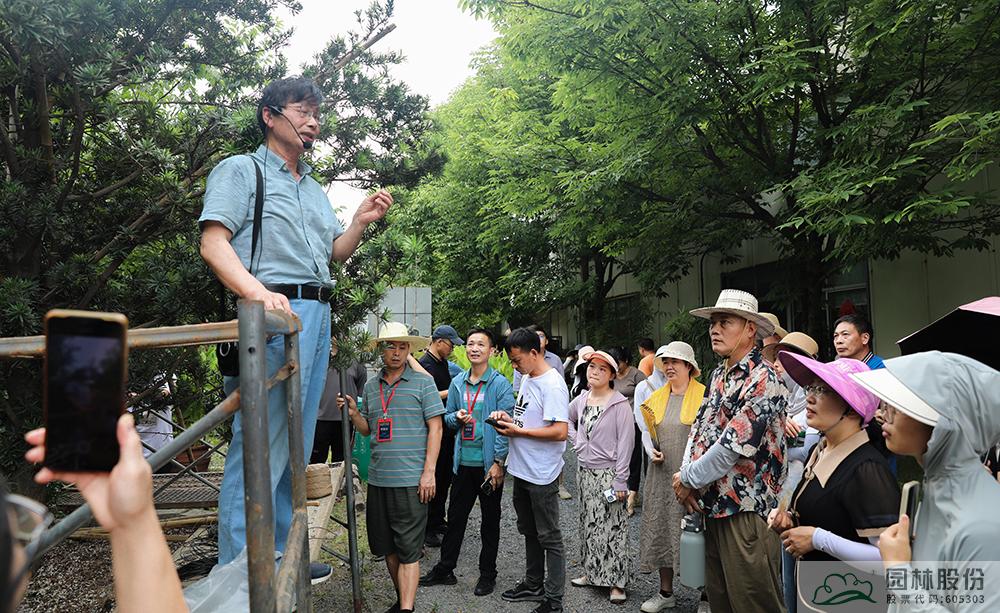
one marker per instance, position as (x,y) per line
(703,607)
(657,603)
(564,493)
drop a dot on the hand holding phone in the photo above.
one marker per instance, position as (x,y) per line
(86,357)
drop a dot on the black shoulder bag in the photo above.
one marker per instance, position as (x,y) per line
(228,354)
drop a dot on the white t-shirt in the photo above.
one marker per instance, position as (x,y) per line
(541,401)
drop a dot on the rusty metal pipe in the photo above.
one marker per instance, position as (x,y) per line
(256,457)
(297,543)
(276,322)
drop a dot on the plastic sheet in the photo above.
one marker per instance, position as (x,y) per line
(224,589)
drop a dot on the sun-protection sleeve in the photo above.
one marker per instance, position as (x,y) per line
(709,468)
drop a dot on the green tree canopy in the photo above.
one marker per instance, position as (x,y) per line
(652,132)
(113,113)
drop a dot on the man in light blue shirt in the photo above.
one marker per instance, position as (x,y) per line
(299,236)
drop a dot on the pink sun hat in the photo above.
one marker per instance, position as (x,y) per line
(836,374)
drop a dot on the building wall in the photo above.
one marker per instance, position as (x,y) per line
(906,293)
(916,289)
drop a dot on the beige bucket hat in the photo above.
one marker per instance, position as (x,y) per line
(679,350)
(781,332)
(797,341)
(739,303)
(396,331)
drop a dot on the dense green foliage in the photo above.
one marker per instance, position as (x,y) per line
(631,136)
(113,113)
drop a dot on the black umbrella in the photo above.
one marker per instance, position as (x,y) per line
(971,330)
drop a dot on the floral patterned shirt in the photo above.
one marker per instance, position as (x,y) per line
(745,410)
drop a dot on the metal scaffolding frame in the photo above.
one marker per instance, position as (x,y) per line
(291,586)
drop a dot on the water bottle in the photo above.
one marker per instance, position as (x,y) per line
(693,551)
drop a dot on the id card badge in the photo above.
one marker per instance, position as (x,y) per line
(383,430)
(469,431)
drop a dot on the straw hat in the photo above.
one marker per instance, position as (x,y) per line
(796,341)
(771,317)
(395,331)
(741,304)
(679,350)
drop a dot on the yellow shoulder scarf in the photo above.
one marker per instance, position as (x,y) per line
(656,405)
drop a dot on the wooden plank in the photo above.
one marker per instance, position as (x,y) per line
(320,527)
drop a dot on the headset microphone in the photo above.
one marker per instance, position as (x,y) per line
(277,111)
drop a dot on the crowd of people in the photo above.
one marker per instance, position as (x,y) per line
(773,454)
(779,457)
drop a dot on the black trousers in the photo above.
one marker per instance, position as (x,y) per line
(442,479)
(465,489)
(328,440)
(637,465)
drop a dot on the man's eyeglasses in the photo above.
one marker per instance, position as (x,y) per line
(303,112)
(816,390)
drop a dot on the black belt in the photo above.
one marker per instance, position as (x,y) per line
(305,292)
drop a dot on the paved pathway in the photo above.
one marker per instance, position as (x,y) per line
(379,594)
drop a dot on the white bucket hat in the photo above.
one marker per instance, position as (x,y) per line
(395,331)
(739,303)
(679,350)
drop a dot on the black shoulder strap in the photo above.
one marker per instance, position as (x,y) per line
(258,210)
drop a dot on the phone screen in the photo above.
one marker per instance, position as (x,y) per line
(84,391)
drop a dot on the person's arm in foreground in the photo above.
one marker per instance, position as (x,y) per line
(122,501)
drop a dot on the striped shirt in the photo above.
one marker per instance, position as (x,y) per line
(400,461)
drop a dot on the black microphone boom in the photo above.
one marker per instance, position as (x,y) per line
(277,111)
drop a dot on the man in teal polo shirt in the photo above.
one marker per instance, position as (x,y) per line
(478,462)
(402,417)
(299,236)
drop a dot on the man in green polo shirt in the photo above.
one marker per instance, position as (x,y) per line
(402,415)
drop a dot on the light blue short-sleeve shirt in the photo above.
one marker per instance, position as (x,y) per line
(298,224)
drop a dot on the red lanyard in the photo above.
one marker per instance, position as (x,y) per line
(381,395)
(472,404)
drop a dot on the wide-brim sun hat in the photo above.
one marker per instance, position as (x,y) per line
(781,332)
(679,350)
(741,304)
(396,331)
(837,375)
(603,356)
(797,341)
(889,388)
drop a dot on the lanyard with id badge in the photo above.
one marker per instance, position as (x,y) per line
(383,427)
(469,429)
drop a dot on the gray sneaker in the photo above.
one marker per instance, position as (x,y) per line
(319,572)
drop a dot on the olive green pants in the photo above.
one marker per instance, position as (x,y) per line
(742,565)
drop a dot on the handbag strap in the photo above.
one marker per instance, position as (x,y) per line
(258,210)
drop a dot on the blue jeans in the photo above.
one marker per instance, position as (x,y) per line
(314,355)
(788,581)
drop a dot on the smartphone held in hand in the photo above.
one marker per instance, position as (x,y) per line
(86,357)
(909,503)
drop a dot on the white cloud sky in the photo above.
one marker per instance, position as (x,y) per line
(436,37)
